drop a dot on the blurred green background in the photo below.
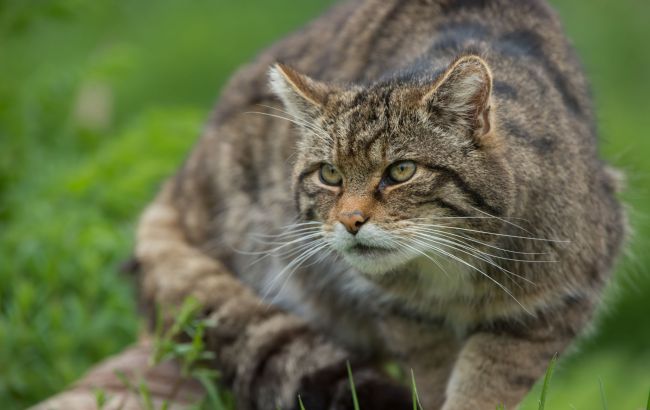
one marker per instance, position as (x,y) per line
(100,100)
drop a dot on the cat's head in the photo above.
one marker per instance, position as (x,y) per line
(399,170)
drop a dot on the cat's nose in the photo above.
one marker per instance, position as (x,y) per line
(352,220)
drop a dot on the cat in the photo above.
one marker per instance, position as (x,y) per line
(400,180)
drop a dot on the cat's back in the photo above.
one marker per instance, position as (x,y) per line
(366,41)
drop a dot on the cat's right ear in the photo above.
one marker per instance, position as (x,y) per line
(302,96)
(462,95)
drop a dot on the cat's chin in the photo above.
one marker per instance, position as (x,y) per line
(375,261)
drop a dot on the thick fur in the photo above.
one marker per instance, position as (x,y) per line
(489,101)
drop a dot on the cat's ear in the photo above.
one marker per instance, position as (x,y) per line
(301,95)
(462,96)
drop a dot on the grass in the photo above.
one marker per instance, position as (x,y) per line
(192,355)
(547,381)
(414,393)
(353,390)
(72,182)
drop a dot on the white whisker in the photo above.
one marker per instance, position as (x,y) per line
(282,245)
(473,252)
(469,265)
(502,220)
(292,267)
(300,123)
(495,233)
(469,238)
(426,256)
(290,115)
(289,253)
(452,238)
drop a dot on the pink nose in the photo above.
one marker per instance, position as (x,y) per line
(352,220)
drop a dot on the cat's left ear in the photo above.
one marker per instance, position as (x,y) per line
(462,96)
(302,96)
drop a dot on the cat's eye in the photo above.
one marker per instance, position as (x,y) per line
(401,171)
(329,175)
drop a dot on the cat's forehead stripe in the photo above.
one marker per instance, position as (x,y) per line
(369,126)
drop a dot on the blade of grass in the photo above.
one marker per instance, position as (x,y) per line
(355,400)
(414,391)
(207,382)
(647,406)
(302,406)
(602,394)
(145,395)
(547,380)
(100,398)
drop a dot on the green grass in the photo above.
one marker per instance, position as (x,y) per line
(353,390)
(72,182)
(414,393)
(546,383)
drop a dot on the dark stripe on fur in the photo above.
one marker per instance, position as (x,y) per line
(447,205)
(476,198)
(297,190)
(522,43)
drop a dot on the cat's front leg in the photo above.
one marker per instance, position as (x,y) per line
(428,350)
(500,363)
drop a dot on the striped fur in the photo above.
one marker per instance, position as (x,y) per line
(489,100)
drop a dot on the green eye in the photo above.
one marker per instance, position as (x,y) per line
(401,171)
(330,175)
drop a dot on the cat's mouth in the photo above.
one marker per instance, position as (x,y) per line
(367,250)
(372,259)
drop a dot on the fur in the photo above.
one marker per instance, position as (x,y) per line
(474,272)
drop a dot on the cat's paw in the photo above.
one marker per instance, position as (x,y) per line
(374,390)
(330,390)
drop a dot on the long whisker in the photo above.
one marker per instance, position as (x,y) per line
(282,245)
(469,238)
(426,256)
(452,238)
(300,123)
(496,234)
(293,266)
(502,287)
(298,225)
(429,218)
(293,250)
(287,238)
(473,252)
(289,118)
(285,234)
(502,220)
(288,229)
(290,115)
(289,253)
(305,253)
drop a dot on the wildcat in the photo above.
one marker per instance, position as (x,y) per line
(415,181)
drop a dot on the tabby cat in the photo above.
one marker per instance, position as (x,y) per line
(402,180)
